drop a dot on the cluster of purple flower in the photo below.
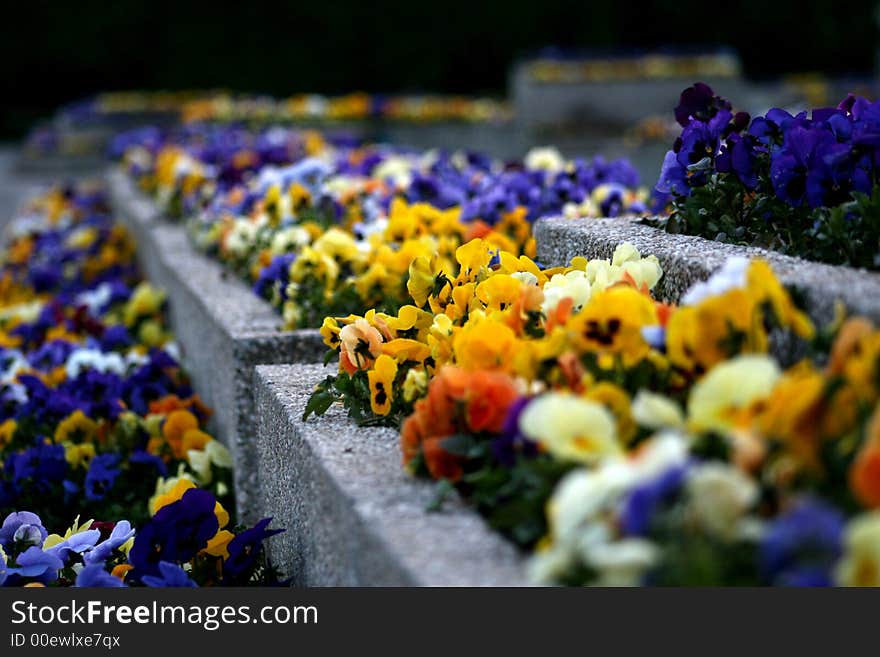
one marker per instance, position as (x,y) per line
(818,160)
(97,415)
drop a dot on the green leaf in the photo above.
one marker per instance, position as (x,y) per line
(442,491)
(318,403)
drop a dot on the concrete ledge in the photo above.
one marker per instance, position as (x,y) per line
(224,330)
(354,517)
(687,259)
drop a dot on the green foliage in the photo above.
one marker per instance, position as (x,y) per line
(723,210)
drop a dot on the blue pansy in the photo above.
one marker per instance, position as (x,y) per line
(801,546)
(244,550)
(21,524)
(170,576)
(101,476)
(95,576)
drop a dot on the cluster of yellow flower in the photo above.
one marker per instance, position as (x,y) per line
(491,309)
(505,374)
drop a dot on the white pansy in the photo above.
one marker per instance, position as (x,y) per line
(574,285)
(719,496)
(24,312)
(623,562)
(664,451)
(15,362)
(135,358)
(85,359)
(583,495)
(289,239)
(654,411)
(172,349)
(95,299)
(16,392)
(731,386)
(365,229)
(571,427)
(645,271)
(200,462)
(732,275)
(525,277)
(545,159)
(581,513)
(340,184)
(585,208)
(218,454)
(242,237)
(396,168)
(625,252)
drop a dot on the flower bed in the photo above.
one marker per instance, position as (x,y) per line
(688,259)
(302,233)
(664,444)
(334,232)
(101,431)
(802,186)
(223,328)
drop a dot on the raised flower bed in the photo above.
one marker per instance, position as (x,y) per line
(627,441)
(355,517)
(223,328)
(688,259)
(102,434)
(794,190)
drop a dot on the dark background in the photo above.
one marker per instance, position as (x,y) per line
(55,52)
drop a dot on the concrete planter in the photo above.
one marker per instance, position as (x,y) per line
(687,259)
(354,517)
(224,330)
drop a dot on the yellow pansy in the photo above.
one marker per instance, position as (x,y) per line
(472,257)
(499,292)
(76,428)
(764,287)
(720,327)
(793,410)
(860,565)
(411,322)
(300,197)
(484,345)
(171,490)
(611,323)
(415,384)
(330,332)
(7,431)
(218,546)
(404,349)
(79,455)
(381,379)
(146,300)
(463,302)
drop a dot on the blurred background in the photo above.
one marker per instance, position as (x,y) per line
(597,76)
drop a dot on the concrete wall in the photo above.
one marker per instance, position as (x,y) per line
(354,516)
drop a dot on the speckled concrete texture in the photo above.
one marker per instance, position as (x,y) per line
(224,330)
(354,517)
(686,259)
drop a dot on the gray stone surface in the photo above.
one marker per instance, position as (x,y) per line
(686,259)
(612,102)
(224,330)
(354,517)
